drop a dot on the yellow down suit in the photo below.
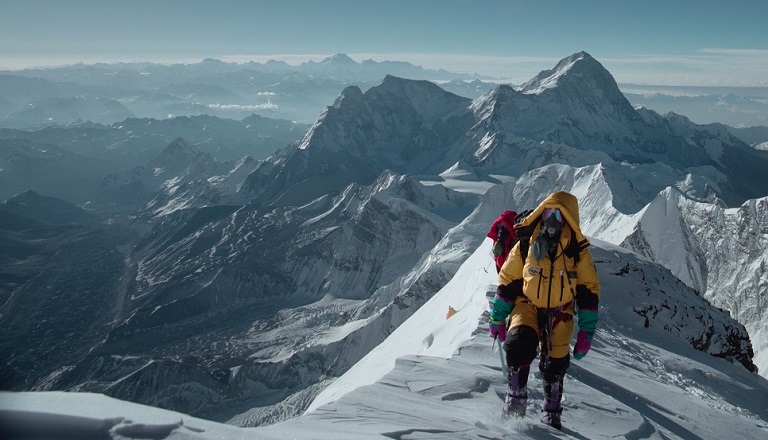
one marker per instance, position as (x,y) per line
(543,293)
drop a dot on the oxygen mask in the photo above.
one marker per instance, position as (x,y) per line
(552,223)
(549,233)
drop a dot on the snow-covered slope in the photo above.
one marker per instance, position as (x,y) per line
(440,377)
(640,363)
(293,284)
(718,251)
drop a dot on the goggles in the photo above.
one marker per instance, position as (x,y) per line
(549,212)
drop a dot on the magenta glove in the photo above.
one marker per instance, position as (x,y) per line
(497,329)
(583,344)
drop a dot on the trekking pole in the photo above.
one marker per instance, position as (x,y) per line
(497,347)
(501,356)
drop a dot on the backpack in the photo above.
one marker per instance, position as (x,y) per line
(524,233)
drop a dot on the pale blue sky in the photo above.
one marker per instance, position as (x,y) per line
(701,42)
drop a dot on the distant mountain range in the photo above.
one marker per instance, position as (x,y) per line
(214,285)
(73,162)
(109,93)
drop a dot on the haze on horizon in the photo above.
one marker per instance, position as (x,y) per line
(696,42)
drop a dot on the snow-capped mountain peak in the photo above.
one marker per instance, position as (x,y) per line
(579,65)
(485,106)
(576,80)
(398,125)
(339,59)
(428,100)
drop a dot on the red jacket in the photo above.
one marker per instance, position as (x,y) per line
(507,218)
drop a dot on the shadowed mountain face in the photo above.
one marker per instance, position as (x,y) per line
(61,285)
(223,284)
